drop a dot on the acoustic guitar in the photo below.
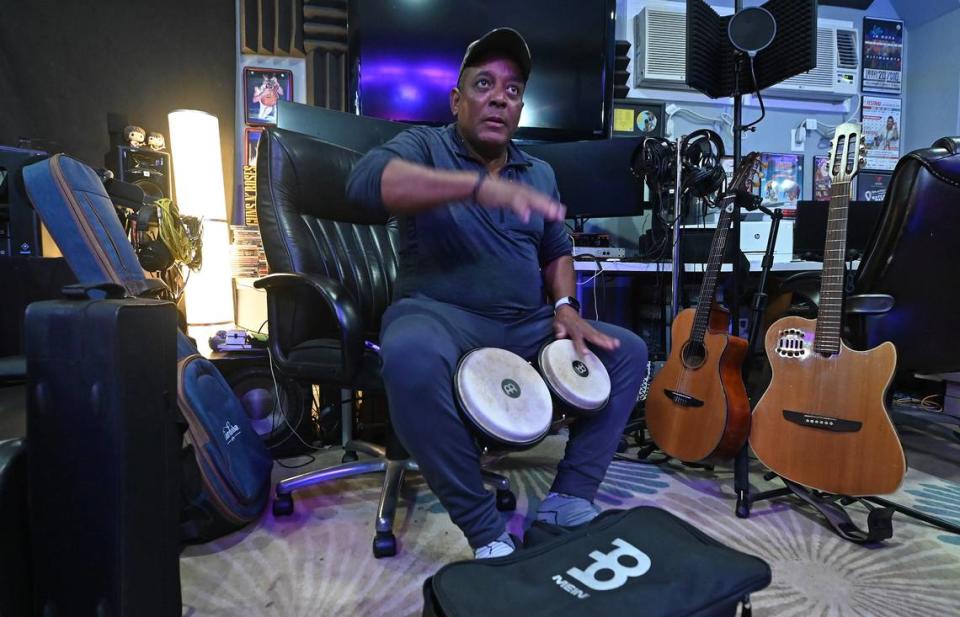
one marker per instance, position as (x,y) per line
(823,421)
(697,407)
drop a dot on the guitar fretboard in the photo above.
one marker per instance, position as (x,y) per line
(709,285)
(830,315)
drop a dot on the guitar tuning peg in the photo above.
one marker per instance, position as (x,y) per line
(863,161)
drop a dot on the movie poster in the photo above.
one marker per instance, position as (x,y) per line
(872,186)
(882,55)
(881,129)
(821,178)
(782,179)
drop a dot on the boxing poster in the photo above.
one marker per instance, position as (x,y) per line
(881,129)
(263,89)
(882,55)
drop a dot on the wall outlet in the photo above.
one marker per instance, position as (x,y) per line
(797,139)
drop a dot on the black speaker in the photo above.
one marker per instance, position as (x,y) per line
(19,224)
(148,169)
(279,408)
(621,76)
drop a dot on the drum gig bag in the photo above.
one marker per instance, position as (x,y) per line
(103,474)
(225,466)
(642,561)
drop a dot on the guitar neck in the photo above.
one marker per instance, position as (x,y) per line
(709,285)
(830,315)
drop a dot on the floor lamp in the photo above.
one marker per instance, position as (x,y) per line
(198,176)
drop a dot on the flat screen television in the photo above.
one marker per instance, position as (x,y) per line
(405,58)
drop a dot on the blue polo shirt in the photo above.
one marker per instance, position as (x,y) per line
(487,261)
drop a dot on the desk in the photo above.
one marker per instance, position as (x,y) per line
(587,277)
(647,266)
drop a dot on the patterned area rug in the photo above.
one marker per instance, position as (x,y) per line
(318,561)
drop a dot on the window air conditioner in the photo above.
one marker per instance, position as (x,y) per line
(660,37)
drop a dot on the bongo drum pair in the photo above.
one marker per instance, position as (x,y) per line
(512,405)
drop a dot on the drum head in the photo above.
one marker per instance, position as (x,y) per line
(581,383)
(503,396)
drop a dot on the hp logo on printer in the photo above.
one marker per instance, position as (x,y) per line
(230,432)
(615,571)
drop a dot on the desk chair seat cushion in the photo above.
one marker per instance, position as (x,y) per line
(319,357)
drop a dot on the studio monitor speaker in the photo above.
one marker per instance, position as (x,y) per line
(148,169)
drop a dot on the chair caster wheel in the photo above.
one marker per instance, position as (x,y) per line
(384,545)
(743,507)
(506,501)
(622,446)
(283,505)
(349,456)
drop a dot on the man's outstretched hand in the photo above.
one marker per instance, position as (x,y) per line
(523,200)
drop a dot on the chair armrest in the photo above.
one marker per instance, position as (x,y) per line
(868,304)
(336,298)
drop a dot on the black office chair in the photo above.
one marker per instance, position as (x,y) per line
(333,267)
(898,295)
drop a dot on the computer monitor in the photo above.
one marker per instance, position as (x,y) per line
(810,228)
(594,177)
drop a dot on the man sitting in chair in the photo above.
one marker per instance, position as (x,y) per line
(482,242)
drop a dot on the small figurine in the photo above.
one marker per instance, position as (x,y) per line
(135,136)
(156,142)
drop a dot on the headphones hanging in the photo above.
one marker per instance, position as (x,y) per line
(153,254)
(701,154)
(653,162)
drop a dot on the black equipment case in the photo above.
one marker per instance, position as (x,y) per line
(14,544)
(643,561)
(103,471)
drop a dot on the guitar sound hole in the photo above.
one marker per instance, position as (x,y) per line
(693,354)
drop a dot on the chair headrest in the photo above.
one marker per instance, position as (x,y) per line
(950,144)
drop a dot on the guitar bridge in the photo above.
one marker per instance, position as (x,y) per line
(825,423)
(683,400)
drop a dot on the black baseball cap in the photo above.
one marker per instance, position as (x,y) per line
(507,41)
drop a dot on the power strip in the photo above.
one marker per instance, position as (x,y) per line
(601,252)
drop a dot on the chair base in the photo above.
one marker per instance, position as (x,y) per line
(384,543)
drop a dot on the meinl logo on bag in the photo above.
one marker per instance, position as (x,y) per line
(230,432)
(617,573)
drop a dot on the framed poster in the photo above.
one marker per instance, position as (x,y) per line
(251,139)
(882,56)
(262,90)
(881,130)
(872,185)
(638,118)
(782,179)
(821,178)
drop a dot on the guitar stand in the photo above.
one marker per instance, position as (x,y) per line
(832,507)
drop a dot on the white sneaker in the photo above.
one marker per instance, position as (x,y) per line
(501,547)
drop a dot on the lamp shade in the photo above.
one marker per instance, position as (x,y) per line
(198,177)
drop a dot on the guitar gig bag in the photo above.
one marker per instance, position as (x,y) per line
(639,561)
